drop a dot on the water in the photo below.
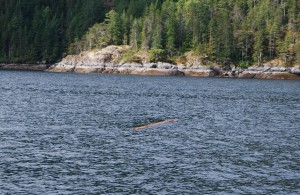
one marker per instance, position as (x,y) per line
(71,134)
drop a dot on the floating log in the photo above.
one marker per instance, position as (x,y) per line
(153,124)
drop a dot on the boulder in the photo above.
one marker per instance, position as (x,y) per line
(199,73)
(150,65)
(163,65)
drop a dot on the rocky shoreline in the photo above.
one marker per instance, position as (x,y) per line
(107,61)
(173,70)
(104,62)
(29,67)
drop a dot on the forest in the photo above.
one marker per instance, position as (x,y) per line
(39,31)
(243,32)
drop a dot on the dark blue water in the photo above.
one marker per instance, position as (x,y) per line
(71,134)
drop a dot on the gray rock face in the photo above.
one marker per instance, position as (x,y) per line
(295,71)
(163,65)
(102,61)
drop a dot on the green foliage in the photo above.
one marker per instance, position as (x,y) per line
(40,31)
(96,37)
(129,56)
(115,27)
(244,64)
(224,30)
(135,34)
(156,55)
(180,60)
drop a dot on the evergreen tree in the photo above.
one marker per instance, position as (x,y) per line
(224,30)
(115,27)
(40,31)
(169,13)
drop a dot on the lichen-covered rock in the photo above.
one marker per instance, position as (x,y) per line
(93,60)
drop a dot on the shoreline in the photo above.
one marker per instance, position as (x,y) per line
(24,67)
(114,60)
(160,69)
(165,69)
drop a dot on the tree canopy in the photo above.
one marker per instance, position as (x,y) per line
(242,31)
(225,31)
(41,31)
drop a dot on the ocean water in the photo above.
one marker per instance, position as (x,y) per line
(72,134)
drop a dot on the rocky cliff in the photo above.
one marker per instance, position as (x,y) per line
(110,60)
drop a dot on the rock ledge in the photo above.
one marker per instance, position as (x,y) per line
(106,61)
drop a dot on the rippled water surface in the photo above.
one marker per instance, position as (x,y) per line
(71,134)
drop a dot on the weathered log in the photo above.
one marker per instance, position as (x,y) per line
(153,124)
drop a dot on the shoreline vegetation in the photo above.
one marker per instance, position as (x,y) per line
(124,60)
